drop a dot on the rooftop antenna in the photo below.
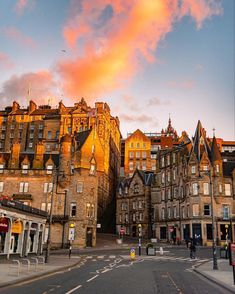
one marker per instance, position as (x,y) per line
(213,132)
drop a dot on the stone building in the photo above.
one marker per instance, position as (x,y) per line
(134,204)
(191,179)
(66,158)
(139,150)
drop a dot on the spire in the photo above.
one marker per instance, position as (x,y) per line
(215,153)
(200,143)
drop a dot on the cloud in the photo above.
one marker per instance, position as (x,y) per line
(155,101)
(22,5)
(5,61)
(181,85)
(17,36)
(136,118)
(40,84)
(113,39)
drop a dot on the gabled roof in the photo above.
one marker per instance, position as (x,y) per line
(200,142)
(147,177)
(215,153)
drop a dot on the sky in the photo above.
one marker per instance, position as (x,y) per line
(149,60)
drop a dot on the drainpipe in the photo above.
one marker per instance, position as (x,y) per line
(65,208)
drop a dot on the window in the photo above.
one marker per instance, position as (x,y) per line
(79,187)
(217,168)
(49,169)
(30,144)
(12,127)
(174,212)
(46,206)
(141,216)
(137,154)
(183,212)
(169,212)
(220,188)
(126,218)
(40,127)
(188,211)
(131,154)
(209,231)
(24,187)
(168,176)
(3,127)
(227,189)
(143,165)
(136,188)
(48,187)
(25,168)
(92,169)
(120,218)
(32,128)
(137,165)
(205,167)
(39,135)
(137,145)
(163,195)
(163,178)
(31,135)
(1,168)
(174,174)
(195,209)
(90,210)
(57,134)
(134,205)
(11,135)
(131,145)
(175,192)
(207,209)
(126,190)
(21,126)
(173,158)
(120,191)
(163,213)
(140,204)
(124,206)
(193,169)
(2,136)
(49,135)
(153,167)
(131,165)
(1,186)
(163,161)
(225,211)
(168,159)
(73,209)
(133,217)
(195,188)
(206,188)
(169,194)
(143,154)
(153,156)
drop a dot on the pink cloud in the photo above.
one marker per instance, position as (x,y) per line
(5,61)
(22,5)
(118,37)
(181,85)
(16,35)
(40,84)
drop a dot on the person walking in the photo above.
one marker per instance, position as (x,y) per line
(192,249)
(70,250)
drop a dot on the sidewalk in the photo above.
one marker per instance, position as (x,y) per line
(223,276)
(56,263)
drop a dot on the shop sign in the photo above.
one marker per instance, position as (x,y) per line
(17,227)
(4,224)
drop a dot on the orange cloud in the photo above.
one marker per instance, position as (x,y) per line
(40,84)
(115,38)
(5,62)
(16,35)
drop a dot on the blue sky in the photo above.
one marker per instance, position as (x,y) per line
(180,62)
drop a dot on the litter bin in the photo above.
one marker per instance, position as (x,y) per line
(223,253)
(151,251)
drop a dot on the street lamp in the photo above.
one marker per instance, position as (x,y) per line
(215,264)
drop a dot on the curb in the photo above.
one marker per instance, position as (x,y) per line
(39,275)
(211,279)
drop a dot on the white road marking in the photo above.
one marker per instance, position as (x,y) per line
(92,278)
(74,289)
(101,257)
(112,256)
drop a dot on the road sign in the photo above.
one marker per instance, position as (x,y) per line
(132,253)
(71,234)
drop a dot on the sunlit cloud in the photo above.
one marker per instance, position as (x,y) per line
(5,61)
(114,39)
(39,86)
(22,5)
(17,36)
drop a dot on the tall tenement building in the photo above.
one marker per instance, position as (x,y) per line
(67,158)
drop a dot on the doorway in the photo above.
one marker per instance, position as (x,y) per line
(89,237)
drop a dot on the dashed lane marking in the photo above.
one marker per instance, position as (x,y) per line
(74,289)
(92,278)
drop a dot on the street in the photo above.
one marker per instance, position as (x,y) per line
(112,271)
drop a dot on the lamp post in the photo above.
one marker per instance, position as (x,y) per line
(215,264)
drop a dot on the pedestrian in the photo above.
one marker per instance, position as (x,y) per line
(70,250)
(192,249)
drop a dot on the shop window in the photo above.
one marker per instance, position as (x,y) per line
(73,209)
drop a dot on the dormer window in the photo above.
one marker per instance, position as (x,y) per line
(1,168)
(25,168)
(92,169)
(49,169)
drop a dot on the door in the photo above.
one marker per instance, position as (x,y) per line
(89,237)
(197,234)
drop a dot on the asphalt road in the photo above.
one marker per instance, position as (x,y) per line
(114,273)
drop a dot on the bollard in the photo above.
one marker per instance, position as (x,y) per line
(161,251)
(132,253)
